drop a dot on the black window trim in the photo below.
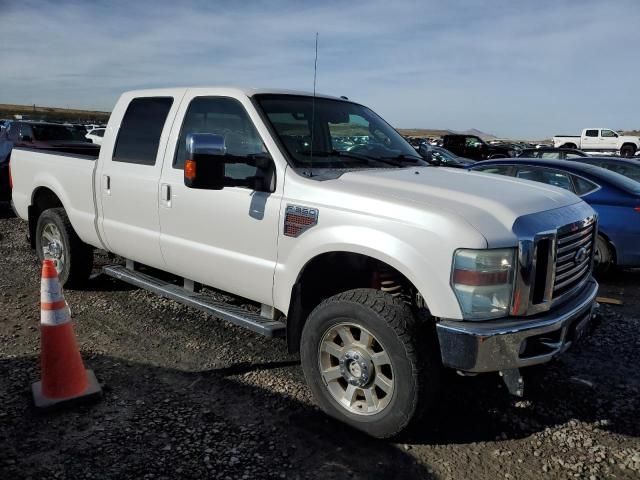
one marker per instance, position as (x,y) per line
(115,144)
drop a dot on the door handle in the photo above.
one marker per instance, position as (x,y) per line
(165,194)
(106,184)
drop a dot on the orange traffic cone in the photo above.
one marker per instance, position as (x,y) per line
(64,378)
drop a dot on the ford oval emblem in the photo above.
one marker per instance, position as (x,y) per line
(580,256)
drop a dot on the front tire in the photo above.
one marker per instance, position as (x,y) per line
(57,240)
(364,362)
(627,151)
(603,257)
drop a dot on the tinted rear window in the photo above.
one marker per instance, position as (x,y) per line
(52,133)
(140,131)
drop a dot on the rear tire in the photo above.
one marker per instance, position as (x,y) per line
(627,151)
(57,240)
(379,397)
(603,257)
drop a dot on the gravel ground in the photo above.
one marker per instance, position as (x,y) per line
(187,396)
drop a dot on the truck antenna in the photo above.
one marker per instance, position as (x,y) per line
(313,108)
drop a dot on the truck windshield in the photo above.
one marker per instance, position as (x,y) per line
(345,134)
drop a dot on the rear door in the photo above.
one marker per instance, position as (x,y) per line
(590,140)
(129,177)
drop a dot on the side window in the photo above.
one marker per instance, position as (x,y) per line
(25,131)
(472,142)
(140,131)
(591,133)
(543,175)
(227,117)
(583,186)
(551,155)
(573,155)
(609,133)
(497,169)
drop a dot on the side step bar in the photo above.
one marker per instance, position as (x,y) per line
(231,313)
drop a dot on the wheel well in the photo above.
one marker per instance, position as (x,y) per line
(42,199)
(569,145)
(628,145)
(331,273)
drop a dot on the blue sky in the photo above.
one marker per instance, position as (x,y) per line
(526,69)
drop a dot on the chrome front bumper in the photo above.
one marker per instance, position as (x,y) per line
(516,342)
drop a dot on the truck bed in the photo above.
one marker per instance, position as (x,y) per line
(68,175)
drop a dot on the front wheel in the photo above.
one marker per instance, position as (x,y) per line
(57,240)
(362,359)
(603,257)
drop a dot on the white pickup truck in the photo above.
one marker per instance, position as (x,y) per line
(379,269)
(600,140)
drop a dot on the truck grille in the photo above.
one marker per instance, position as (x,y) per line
(574,255)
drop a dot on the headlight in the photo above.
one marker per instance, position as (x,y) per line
(483,282)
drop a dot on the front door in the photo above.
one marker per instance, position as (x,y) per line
(608,139)
(225,238)
(128,181)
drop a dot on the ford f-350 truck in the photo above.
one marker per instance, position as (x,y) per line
(379,269)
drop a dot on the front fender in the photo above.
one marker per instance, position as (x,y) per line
(428,268)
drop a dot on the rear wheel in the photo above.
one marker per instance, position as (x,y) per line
(603,257)
(57,240)
(363,361)
(627,151)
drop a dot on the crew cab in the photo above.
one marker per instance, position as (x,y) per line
(600,140)
(474,148)
(379,269)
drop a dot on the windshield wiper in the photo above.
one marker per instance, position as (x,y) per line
(343,154)
(394,161)
(403,157)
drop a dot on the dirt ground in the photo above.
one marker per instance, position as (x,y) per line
(187,396)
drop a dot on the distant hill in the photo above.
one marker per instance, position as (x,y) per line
(35,112)
(426,132)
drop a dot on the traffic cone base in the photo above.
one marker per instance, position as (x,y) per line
(91,392)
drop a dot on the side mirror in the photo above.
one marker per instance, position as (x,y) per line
(204,167)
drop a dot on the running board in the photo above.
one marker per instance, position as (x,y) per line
(231,313)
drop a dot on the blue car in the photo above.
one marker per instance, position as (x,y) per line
(615,197)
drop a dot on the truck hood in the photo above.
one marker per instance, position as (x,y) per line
(490,203)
